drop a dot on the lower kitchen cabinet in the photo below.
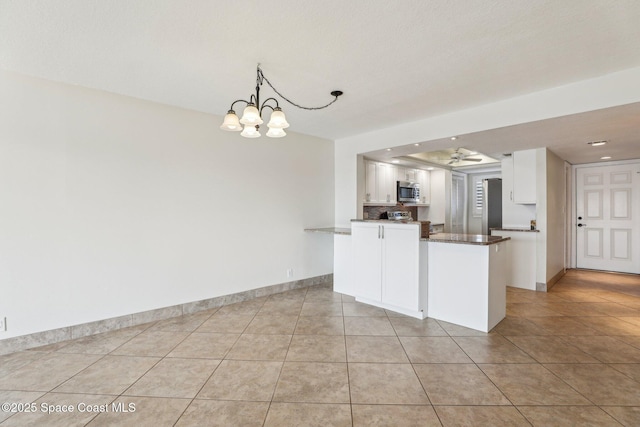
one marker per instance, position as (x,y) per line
(467,283)
(522,271)
(386,266)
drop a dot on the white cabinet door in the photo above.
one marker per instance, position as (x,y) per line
(371,182)
(367,259)
(401,173)
(410,175)
(422,177)
(524,177)
(400,266)
(386,183)
(386,263)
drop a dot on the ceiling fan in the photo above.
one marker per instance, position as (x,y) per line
(457,157)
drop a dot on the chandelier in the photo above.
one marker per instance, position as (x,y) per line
(252,114)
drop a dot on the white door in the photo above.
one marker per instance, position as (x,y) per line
(608,218)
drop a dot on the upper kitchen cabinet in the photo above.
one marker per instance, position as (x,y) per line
(524,177)
(407,174)
(423,178)
(381,179)
(380,183)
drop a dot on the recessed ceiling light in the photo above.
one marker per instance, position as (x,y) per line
(605,158)
(596,143)
(417,145)
(429,169)
(395,161)
(453,138)
(388,149)
(472,153)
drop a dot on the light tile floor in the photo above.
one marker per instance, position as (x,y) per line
(313,357)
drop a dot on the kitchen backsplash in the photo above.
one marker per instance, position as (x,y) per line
(376,212)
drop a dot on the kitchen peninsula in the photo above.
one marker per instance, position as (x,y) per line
(456,278)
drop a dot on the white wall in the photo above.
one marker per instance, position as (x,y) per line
(556,202)
(549,211)
(541,216)
(440,196)
(111,205)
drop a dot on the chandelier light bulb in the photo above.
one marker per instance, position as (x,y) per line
(276,133)
(278,120)
(231,122)
(250,131)
(251,116)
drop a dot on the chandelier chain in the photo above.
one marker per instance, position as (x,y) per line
(262,77)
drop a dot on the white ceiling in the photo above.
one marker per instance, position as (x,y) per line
(396,61)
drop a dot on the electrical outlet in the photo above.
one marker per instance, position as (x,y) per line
(290,272)
(3,324)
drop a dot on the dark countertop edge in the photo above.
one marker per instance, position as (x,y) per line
(388,221)
(525,230)
(466,239)
(330,230)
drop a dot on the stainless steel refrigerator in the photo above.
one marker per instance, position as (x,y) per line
(492,209)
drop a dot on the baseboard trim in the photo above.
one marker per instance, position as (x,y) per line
(555,279)
(546,287)
(37,339)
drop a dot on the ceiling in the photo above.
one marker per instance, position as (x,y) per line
(394,64)
(454,158)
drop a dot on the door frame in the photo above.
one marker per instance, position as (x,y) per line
(570,235)
(465,196)
(574,201)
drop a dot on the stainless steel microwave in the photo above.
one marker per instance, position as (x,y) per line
(408,192)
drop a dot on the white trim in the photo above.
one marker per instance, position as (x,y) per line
(613,163)
(574,199)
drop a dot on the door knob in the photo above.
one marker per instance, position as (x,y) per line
(582,225)
(579,218)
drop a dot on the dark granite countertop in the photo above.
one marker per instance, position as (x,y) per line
(387,221)
(466,239)
(526,230)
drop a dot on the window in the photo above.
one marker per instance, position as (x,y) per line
(478,196)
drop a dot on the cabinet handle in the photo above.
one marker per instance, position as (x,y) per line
(511,196)
(378,232)
(382,231)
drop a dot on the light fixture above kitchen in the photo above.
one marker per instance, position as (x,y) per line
(596,143)
(252,115)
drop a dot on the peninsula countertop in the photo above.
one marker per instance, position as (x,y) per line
(465,239)
(523,229)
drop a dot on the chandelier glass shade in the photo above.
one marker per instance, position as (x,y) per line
(252,114)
